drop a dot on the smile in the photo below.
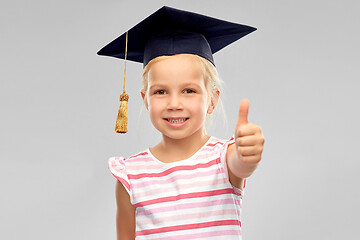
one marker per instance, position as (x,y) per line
(176,120)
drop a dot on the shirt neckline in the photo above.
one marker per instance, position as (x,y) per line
(180,161)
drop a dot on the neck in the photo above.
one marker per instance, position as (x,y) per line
(185,147)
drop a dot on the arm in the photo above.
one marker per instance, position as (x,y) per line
(125,216)
(244,155)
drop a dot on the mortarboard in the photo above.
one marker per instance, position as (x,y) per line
(170,31)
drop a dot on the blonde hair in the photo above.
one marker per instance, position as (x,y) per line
(210,74)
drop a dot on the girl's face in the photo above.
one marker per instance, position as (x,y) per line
(176,97)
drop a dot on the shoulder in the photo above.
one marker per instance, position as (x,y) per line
(121,167)
(215,143)
(138,155)
(122,161)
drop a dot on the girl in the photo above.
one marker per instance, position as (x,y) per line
(190,185)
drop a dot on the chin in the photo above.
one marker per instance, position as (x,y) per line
(174,136)
(179,135)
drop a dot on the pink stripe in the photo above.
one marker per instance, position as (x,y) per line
(139,154)
(123,181)
(150,164)
(118,167)
(184,187)
(186,196)
(117,163)
(214,144)
(179,207)
(140,159)
(163,182)
(174,169)
(201,235)
(188,227)
(177,216)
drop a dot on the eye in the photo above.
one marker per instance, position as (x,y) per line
(189,91)
(160,92)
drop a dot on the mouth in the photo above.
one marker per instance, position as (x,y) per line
(176,120)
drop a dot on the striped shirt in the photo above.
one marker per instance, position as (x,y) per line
(187,199)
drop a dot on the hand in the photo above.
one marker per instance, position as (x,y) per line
(249,141)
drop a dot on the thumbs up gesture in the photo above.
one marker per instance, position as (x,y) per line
(249,141)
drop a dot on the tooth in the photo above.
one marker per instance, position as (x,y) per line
(176,120)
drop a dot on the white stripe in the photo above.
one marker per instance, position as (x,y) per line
(176,216)
(190,200)
(175,173)
(175,192)
(192,231)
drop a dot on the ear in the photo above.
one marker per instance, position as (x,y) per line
(143,95)
(214,100)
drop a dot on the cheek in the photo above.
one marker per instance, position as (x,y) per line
(198,106)
(155,106)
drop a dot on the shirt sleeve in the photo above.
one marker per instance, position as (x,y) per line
(118,170)
(224,164)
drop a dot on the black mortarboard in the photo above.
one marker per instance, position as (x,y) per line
(170,31)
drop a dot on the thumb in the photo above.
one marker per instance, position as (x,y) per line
(243,112)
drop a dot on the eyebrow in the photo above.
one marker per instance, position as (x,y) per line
(157,86)
(191,84)
(183,85)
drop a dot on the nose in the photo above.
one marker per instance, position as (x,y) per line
(174,102)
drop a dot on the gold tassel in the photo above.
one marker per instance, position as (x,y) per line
(122,118)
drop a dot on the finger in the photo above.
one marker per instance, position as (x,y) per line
(248,129)
(250,151)
(249,141)
(243,112)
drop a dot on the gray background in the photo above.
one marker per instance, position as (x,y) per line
(59,102)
